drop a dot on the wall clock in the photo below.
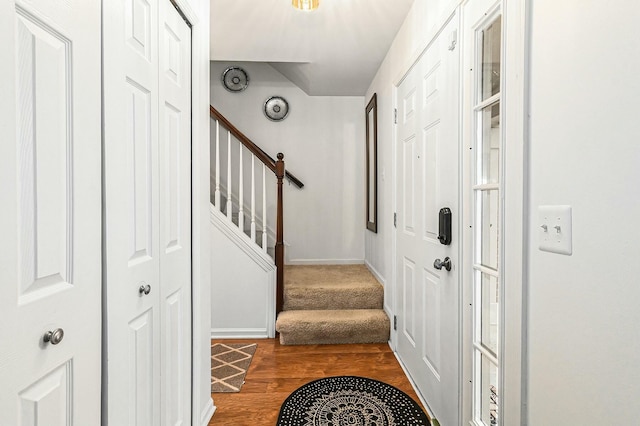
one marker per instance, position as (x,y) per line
(276,108)
(235,79)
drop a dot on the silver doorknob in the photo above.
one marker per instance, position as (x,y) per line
(438,264)
(54,337)
(144,289)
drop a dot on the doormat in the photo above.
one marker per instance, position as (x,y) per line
(229,365)
(350,400)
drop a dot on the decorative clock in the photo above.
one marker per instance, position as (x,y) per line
(276,108)
(235,79)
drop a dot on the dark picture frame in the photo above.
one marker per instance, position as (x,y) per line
(371,140)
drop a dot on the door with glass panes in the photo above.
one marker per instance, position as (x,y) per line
(482,23)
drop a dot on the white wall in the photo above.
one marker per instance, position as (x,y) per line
(419,27)
(323,143)
(584,333)
(243,291)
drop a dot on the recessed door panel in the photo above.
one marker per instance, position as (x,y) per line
(431,184)
(432,344)
(140,143)
(44,158)
(138,27)
(49,400)
(172,166)
(173,370)
(141,375)
(409,301)
(408,176)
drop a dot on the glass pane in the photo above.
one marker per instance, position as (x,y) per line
(489,304)
(489,151)
(489,228)
(491,41)
(489,392)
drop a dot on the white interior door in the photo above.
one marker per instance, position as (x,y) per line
(175,215)
(50,193)
(147,113)
(427,180)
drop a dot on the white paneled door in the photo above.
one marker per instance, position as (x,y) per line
(147,102)
(427,180)
(50,215)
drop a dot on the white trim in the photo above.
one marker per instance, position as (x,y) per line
(325,262)
(197,12)
(374,272)
(240,333)
(187,11)
(448,12)
(207,413)
(242,240)
(513,398)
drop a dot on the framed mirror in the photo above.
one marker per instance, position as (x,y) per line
(371,113)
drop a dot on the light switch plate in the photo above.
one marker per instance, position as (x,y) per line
(554,229)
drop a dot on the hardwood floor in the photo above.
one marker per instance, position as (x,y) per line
(278,370)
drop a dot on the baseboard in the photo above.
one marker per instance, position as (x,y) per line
(207,413)
(239,333)
(325,262)
(375,272)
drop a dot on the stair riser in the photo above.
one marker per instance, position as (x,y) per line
(333,327)
(333,298)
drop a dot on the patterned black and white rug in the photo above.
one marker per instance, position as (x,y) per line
(350,401)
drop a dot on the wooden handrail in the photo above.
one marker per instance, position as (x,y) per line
(251,146)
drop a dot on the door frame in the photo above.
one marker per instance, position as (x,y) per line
(513,311)
(517,37)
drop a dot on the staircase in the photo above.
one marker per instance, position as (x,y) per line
(332,304)
(314,304)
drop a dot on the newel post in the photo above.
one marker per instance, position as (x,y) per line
(279,237)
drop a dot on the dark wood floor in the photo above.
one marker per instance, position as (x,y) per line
(277,370)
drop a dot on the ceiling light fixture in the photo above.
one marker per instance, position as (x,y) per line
(306,4)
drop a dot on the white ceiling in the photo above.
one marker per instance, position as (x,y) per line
(335,50)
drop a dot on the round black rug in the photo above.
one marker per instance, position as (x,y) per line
(350,401)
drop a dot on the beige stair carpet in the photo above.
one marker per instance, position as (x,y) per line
(331,287)
(332,304)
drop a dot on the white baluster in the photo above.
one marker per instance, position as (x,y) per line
(241,195)
(264,209)
(253,198)
(229,204)
(217,192)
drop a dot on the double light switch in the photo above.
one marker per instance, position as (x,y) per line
(554,229)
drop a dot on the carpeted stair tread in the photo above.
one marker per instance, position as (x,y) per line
(317,287)
(305,327)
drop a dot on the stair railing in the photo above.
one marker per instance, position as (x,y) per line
(277,167)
